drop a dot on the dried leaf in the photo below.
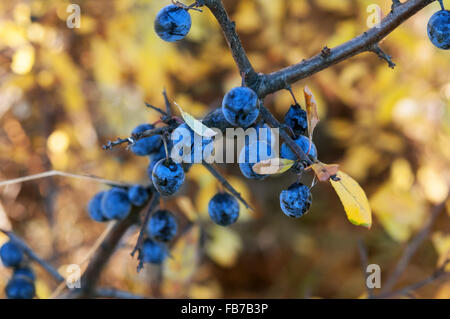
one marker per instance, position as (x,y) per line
(324,171)
(273,166)
(311,111)
(353,199)
(196,125)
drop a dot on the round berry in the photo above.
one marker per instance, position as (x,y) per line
(172,23)
(301,141)
(26,273)
(167,177)
(296,119)
(95,207)
(162,226)
(115,204)
(153,252)
(296,200)
(223,209)
(439,29)
(191,147)
(240,107)
(11,254)
(138,195)
(252,154)
(20,288)
(146,145)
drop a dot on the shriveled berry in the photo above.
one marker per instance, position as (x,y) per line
(172,23)
(301,141)
(162,226)
(20,288)
(240,107)
(439,29)
(11,254)
(138,195)
(95,207)
(296,200)
(167,177)
(296,119)
(153,252)
(115,204)
(223,209)
(146,145)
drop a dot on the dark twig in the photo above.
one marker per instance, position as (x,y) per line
(438,274)
(167,102)
(33,256)
(225,184)
(154,202)
(135,137)
(364,263)
(382,55)
(156,109)
(411,249)
(116,294)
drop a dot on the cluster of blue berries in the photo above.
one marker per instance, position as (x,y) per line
(21,285)
(439,28)
(116,203)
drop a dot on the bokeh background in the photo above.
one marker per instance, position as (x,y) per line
(65,92)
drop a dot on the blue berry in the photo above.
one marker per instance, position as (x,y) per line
(172,23)
(138,195)
(115,204)
(439,29)
(162,226)
(223,209)
(296,200)
(153,252)
(240,107)
(167,177)
(188,145)
(11,254)
(95,207)
(146,145)
(20,288)
(252,154)
(155,158)
(26,273)
(296,119)
(301,141)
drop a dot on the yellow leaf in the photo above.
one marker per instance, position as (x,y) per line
(196,125)
(311,111)
(353,199)
(324,171)
(273,166)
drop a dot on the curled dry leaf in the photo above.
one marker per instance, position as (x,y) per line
(311,111)
(324,171)
(273,166)
(196,125)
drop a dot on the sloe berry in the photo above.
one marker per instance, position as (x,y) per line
(301,141)
(439,29)
(115,204)
(162,226)
(146,145)
(167,177)
(20,288)
(172,23)
(240,107)
(296,119)
(11,254)
(252,154)
(296,200)
(95,207)
(223,209)
(153,252)
(138,195)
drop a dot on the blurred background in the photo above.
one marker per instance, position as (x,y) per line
(65,92)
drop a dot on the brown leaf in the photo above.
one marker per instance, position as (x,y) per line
(324,171)
(311,111)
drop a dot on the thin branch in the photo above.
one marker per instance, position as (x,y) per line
(225,184)
(157,109)
(364,263)
(411,249)
(167,102)
(382,55)
(64,174)
(441,273)
(114,293)
(135,137)
(33,256)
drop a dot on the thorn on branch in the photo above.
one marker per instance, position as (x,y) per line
(156,109)
(382,55)
(395,4)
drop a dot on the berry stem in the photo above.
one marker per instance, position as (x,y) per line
(442,4)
